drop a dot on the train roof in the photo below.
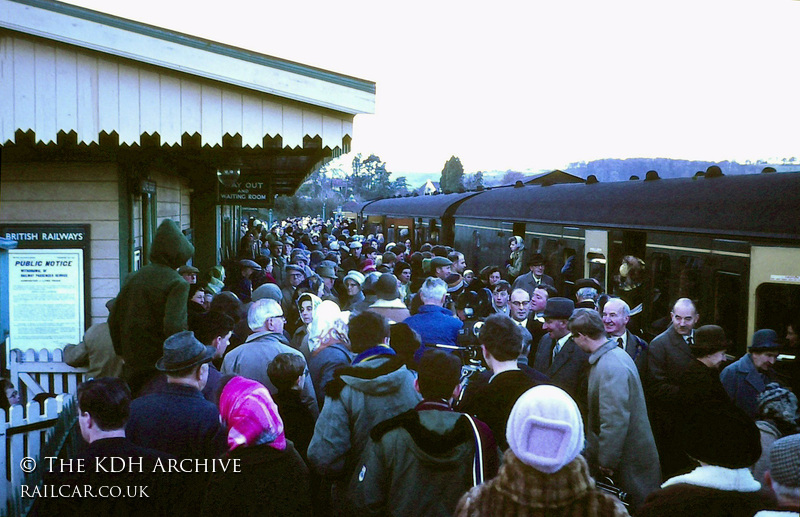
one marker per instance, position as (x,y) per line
(419,206)
(757,205)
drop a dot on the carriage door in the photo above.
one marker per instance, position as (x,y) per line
(596,247)
(774,293)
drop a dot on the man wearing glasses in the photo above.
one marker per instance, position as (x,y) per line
(251,359)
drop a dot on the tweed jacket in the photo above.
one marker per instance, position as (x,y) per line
(569,370)
(519,490)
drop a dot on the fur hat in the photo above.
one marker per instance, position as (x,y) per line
(778,404)
(545,429)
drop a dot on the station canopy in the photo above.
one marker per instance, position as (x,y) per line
(83,85)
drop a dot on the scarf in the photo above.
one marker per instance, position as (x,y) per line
(371,353)
(250,414)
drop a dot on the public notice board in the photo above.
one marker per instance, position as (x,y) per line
(47,288)
(45,298)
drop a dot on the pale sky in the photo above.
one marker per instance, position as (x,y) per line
(533,84)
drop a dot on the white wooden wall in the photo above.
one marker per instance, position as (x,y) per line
(79,193)
(48,87)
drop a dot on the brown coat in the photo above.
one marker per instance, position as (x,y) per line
(521,490)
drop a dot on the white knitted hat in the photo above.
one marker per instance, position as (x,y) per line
(545,429)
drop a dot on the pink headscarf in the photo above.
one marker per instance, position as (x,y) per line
(250,414)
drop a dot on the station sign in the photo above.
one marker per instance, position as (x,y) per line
(48,282)
(248,191)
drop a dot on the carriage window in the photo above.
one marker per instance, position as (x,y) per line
(660,275)
(776,306)
(533,245)
(476,241)
(690,281)
(570,269)
(518,229)
(433,232)
(728,302)
(597,266)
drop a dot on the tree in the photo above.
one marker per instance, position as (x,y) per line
(473,181)
(400,186)
(511,177)
(452,179)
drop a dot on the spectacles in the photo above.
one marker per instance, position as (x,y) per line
(520,304)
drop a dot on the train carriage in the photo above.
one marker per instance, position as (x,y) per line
(731,243)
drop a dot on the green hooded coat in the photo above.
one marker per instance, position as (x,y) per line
(151,306)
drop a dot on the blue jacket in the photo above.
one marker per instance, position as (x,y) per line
(435,325)
(744,382)
(178,420)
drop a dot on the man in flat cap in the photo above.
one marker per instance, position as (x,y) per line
(328,276)
(557,355)
(189,273)
(749,376)
(244,289)
(295,275)
(441,267)
(783,477)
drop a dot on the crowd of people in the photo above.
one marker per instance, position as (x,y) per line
(328,365)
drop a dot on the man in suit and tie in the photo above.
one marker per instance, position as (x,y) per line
(529,281)
(558,356)
(666,359)
(616,315)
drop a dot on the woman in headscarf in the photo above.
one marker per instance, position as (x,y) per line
(307,304)
(272,479)
(329,346)
(515,259)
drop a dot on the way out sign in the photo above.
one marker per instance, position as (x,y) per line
(247,191)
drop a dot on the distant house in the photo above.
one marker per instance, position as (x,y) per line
(430,187)
(552,178)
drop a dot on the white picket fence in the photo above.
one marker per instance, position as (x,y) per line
(44,371)
(26,430)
